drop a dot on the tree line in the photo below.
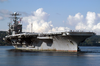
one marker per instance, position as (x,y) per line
(2,42)
(92,41)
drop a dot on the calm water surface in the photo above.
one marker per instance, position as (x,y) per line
(89,56)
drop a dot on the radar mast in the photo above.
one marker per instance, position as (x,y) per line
(16,27)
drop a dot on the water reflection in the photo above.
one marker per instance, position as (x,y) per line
(83,52)
(37,53)
(89,56)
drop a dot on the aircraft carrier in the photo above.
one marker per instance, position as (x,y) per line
(65,41)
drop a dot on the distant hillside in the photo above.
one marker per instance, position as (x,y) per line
(2,35)
(92,41)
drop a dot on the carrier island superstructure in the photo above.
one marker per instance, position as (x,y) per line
(65,41)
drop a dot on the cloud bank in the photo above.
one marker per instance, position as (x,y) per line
(90,23)
(4,14)
(38,22)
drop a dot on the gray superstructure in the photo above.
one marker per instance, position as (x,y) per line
(55,41)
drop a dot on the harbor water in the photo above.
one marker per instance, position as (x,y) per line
(89,56)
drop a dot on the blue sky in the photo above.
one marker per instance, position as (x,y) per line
(58,10)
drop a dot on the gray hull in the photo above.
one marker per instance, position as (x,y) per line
(61,42)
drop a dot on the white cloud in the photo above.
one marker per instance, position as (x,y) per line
(39,22)
(91,16)
(98,15)
(73,20)
(41,15)
(80,26)
(1,18)
(90,23)
(60,29)
(5,13)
